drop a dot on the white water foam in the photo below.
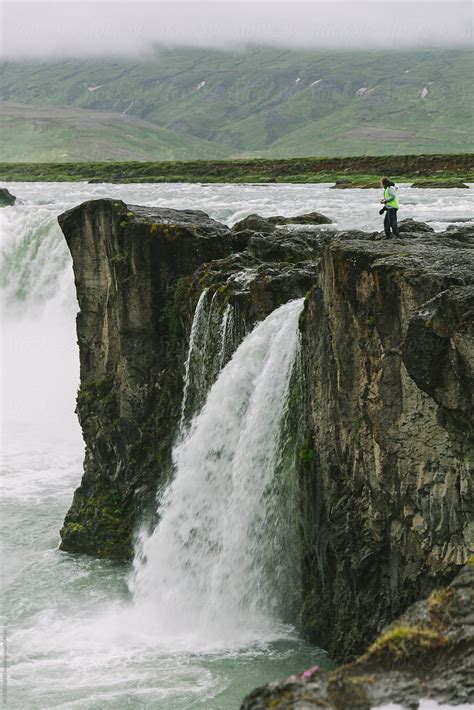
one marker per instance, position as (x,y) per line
(204,571)
(196,327)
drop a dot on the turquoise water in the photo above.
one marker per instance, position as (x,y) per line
(72,642)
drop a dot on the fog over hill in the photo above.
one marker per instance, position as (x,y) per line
(42,29)
(205,79)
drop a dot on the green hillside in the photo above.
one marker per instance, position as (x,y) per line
(262,102)
(56,134)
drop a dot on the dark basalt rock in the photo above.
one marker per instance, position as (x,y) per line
(308,218)
(128,265)
(427,653)
(266,225)
(409,225)
(436,353)
(254,223)
(459,233)
(6,198)
(387,424)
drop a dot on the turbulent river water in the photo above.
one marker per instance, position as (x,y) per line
(84,633)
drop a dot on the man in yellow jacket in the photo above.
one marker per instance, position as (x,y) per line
(390,202)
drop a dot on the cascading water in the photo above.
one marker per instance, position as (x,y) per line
(212,566)
(227,333)
(194,373)
(40,367)
(211,344)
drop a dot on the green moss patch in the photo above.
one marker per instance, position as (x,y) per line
(438,607)
(104,530)
(99,392)
(404,645)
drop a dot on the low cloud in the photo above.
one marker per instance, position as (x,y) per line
(85,29)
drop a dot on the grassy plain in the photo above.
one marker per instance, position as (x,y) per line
(361,170)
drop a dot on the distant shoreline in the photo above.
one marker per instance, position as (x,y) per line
(361,171)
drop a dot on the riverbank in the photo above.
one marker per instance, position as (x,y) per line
(361,171)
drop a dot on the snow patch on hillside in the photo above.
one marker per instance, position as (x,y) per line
(425,90)
(365,91)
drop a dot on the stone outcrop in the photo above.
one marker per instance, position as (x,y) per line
(388,336)
(410,226)
(385,468)
(427,653)
(307,218)
(128,262)
(139,273)
(6,197)
(266,225)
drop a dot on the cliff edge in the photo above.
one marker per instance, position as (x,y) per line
(128,262)
(386,406)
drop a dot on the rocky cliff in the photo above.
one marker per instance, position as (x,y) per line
(128,263)
(385,465)
(388,336)
(428,653)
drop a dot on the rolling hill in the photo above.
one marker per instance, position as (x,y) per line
(197,103)
(59,134)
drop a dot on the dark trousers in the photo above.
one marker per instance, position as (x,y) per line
(390,222)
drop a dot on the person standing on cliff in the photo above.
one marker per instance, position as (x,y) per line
(390,202)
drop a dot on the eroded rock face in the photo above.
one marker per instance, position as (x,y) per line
(128,262)
(426,653)
(139,273)
(387,341)
(387,473)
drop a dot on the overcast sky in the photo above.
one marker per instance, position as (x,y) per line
(90,28)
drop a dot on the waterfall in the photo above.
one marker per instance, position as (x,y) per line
(35,264)
(196,328)
(216,564)
(38,306)
(226,336)
(211,344)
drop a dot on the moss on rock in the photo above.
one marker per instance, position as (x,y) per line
(401,645)
(103,511)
